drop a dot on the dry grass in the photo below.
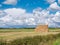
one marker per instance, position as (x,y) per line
(13,35)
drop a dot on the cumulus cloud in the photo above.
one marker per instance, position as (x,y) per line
(15,12)
(57,17)
(2,13)
(54,6)
(50,1)
(44,17)
(41,16)
(19,17)
(12,17)
(59,1)
(10,2)
(30,21)
(54,20)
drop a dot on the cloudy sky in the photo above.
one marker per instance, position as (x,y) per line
(29,13)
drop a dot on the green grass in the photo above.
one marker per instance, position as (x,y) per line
(57,42)
(35,40)
(24,29)
(17,30)
(54,28)
(28,40)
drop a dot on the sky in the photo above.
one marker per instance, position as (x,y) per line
(29,13)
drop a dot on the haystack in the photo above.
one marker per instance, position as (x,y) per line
(41,28)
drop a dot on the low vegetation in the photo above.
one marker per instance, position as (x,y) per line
(50,39)
(54,29)
(24,29)
(28,37)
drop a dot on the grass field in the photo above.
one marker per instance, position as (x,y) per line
(14,35)
(17,30)
(11,34)
(54,29)
(25,30)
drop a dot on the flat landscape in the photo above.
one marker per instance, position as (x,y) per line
(10,34)
(15,35)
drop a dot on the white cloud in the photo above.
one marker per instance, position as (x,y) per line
(19,22)
(54,21)
(30,21)
(59,1)
(41,16)
(57,17)
(10,2)
(54,6)
(2,13)
(44,17)
(13,16)
(50,1)
(15,12)
(18,16)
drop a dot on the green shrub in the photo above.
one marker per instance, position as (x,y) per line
(57,42)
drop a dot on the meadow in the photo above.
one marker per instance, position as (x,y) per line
(24,29)
(29,36)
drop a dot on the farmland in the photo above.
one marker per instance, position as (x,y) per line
(25,30)
(12,34)
(19,33)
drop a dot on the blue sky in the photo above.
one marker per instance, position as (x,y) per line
(29,5)
(20,13)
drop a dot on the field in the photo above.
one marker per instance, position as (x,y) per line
(12,34)
(26,30)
